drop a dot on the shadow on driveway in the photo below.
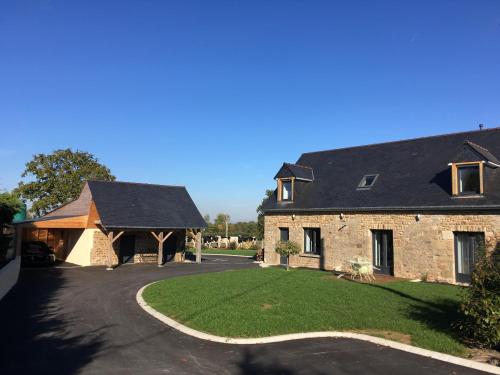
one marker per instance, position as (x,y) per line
(36,335)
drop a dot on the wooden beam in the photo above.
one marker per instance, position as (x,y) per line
(75,222)
(117,236)
(481,174)
(454,179)
(93,216)
(165,238)
(155,236)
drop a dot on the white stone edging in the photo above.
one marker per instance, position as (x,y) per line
(9,275)
(311,335)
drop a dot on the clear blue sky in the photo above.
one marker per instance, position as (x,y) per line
(215,95)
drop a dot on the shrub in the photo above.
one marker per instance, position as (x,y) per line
(480,324)
(233,245)
(287,248)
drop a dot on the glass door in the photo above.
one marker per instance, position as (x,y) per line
(466,248)
(383,253)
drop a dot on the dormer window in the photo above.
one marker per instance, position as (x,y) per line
(468,180)
(289,177)
(367,181)
(285,189)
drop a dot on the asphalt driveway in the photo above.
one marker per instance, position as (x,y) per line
(86,320)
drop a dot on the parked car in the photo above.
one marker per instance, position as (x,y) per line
(37,252)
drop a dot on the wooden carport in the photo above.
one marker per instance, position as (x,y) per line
(161,236)
(106,211)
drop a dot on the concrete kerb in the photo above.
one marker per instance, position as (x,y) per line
(311,335)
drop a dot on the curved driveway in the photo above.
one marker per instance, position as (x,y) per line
(86,320)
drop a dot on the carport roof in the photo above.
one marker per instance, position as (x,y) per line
(144,206)
(125,205)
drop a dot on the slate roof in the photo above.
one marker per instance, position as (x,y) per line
(77,207)
(484,153)
(412,174)
(144,206)
(300,172)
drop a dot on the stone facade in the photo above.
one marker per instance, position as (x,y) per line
(423,247)
(146,248)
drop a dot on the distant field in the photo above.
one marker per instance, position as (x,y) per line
(249,253)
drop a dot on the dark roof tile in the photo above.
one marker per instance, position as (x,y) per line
(144,206)
(412,174)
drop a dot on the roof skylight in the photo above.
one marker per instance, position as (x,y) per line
(367,181)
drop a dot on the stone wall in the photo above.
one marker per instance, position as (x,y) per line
(422,248)
(98,254)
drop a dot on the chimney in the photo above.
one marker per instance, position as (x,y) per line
(481,126)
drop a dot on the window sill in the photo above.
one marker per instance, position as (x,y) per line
(466,196)
(310,255)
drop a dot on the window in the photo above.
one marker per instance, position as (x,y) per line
(466,248)
(367,181)
(286,190)
(312,241)
(468,180)
(284,234)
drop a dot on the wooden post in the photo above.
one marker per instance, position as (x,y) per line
(160,249)
(198,246)
(161,239)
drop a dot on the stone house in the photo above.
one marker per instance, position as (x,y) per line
(417,208)
(113,223)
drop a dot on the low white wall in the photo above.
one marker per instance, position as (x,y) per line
(80,253)
(9,275)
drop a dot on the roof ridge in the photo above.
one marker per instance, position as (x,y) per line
(475,144)
(137,183)
(404,140)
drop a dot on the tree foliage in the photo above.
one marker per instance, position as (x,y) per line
(11,200)
(260,212)
(287,248)
(57,178)
(480,306)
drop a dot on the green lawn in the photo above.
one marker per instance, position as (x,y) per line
(263,302)
(249,253)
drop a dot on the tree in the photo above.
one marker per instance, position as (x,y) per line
(260,212)
(222,222)
(59,178)
(11,200)
(287,248)
(9,205)
(207,218)
(480,324)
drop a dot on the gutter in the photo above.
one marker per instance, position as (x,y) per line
(386,209)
